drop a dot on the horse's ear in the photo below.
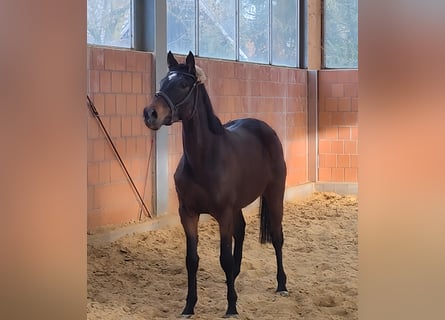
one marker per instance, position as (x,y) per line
(171,61)
(190,62)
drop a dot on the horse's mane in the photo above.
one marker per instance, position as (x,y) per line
(215,125)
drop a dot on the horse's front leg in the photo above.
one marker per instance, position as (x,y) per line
(238,235)
(189,222)
(227,262)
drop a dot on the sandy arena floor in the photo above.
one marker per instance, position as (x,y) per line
(143,276)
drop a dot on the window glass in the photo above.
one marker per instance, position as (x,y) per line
(109,22)
(181,19)
(217,37)
(341,33)
(284,32)
(254,31)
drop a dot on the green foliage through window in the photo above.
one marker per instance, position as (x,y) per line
(109,22)
(266,30)
(341,33)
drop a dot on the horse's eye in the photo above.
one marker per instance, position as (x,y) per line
(184,85)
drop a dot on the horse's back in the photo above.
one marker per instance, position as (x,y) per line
(261,131)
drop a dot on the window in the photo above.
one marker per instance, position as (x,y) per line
(109,22)
(285,32)
(217,22)
(254,31)
(340,33)
(181,17)
(261,31)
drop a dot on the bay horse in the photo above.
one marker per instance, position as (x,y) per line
(223,169)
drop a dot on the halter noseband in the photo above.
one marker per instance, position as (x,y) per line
(174,107)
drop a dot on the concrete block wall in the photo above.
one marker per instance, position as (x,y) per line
(276,95)
(120,85)
(338,126)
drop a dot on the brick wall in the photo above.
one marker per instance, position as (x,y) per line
(276,95)
(338,126)
(120,85)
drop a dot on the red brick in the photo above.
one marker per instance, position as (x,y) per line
(350,118)
(328,160)
(116,173)
(104,172)
(338,174)
(130,107)
(109,153)
(344,133)
(131,64)
(93,173)
(324,146)
(121,104)
(354,104)
(351,90)
(325,174)
(93,81)
(141,146)
(141,103)
(131,146)
(350,76)
(331,104)
(99,102)
(126,82)
(98,149)
(93,128)
(344,104)
(116,81)
(114,59)
(351,174)
(115,126)
(337,90)
(97,58)
(354,133)
(337,147)
(330,133)
(141,61)
(354,160)
(350,147)
(325,118)
(126,126)
(329,76)
(136,126)
(105,81)
(343,161)
(110,104)
(137,82)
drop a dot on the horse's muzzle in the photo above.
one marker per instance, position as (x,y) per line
(151,118)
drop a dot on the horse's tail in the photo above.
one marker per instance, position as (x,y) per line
(265,235)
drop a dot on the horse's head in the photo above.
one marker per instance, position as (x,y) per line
(176,98)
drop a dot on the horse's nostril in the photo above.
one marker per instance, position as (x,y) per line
(150,113)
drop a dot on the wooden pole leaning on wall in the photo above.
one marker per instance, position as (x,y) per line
(121,162)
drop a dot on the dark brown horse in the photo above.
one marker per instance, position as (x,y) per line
(222,170)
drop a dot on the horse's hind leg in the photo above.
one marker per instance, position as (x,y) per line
(274,198)
(238,235)
(190,224)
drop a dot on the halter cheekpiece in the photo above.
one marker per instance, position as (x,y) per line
(174,107)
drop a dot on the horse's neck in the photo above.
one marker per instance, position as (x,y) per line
(198,138)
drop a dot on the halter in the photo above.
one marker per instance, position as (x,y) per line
(174,107)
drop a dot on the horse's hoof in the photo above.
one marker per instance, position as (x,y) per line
(231,315)
(283,293)
(186,316)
